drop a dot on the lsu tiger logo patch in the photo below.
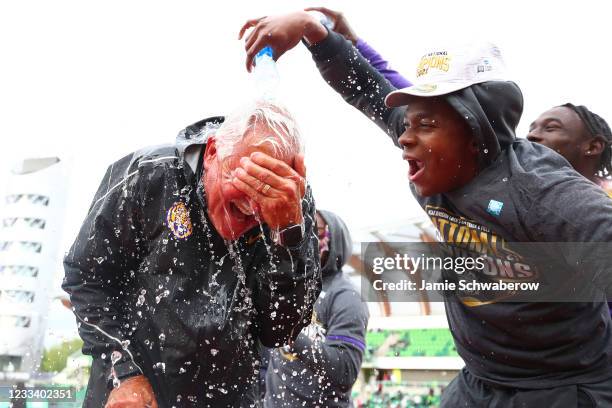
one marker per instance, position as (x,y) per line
(178,220)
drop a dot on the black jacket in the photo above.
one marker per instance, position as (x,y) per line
(326,357)
(524,193)
(149,277)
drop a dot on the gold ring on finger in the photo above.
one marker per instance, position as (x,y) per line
(265,188)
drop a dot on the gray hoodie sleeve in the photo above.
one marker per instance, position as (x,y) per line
(359,84)
(578,215)
(338,357)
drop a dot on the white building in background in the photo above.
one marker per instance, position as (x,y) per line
(32,201)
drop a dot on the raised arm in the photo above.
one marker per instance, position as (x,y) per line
(342,26)
(358,82)
(340,64)
(382,65)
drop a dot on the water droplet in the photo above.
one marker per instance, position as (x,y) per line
(115,356)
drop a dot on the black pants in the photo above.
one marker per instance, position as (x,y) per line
(471,392)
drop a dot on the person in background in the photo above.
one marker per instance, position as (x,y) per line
(581,136)
(321,366)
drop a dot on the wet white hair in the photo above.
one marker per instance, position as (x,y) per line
(284,138)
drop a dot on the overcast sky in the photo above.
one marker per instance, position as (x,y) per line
(93,81)
(96,80)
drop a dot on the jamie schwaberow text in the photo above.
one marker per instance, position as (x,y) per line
(462,285)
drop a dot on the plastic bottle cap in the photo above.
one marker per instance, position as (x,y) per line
(267,50)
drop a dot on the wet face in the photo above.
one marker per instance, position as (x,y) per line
(562,130)
(439,147)
(229,209)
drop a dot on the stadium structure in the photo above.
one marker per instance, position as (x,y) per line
(32,202)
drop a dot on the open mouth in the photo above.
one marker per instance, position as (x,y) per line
(241,209)
(417,168)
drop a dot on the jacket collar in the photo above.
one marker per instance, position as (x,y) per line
(191,141)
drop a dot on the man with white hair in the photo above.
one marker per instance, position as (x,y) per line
(190,256)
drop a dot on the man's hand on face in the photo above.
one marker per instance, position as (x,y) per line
(134,392)
(275,189)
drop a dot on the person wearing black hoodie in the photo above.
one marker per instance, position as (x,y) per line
(484,188)
(581,136)
(321,366)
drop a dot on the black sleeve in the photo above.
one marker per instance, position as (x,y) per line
(573,221)
(361,85)
(99,266)
(337,358)
(288,284)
